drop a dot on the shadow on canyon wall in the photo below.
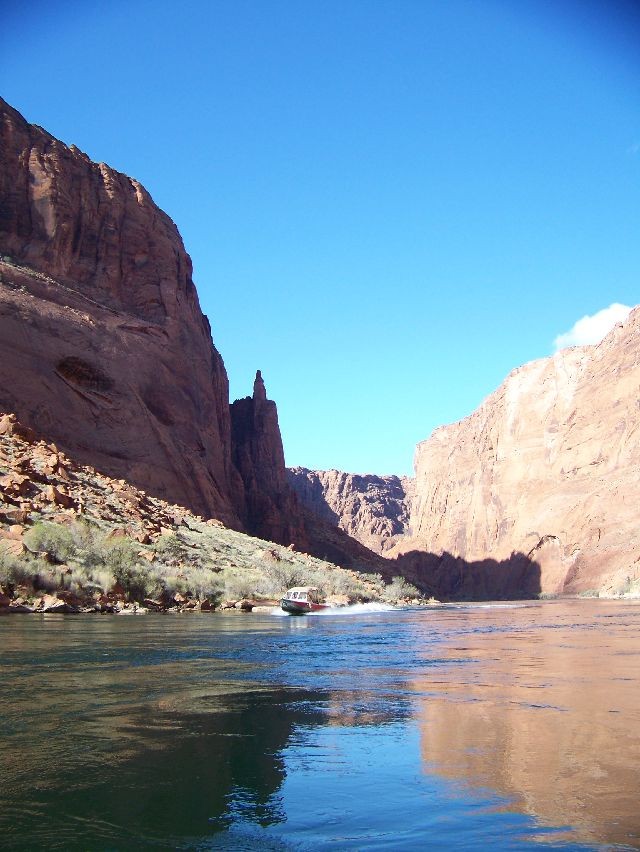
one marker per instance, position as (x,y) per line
(448,576)
(444,576)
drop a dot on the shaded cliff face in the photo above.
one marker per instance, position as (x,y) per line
(270,508)
(546,466)
(362,522)
(374,510)
(103,346)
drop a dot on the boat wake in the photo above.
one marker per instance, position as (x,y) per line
(353,609)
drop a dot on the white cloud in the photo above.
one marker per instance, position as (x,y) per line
(591,329)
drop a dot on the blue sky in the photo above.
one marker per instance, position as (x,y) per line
(389,205)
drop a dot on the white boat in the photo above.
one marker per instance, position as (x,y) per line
(301,600)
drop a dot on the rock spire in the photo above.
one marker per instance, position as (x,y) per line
(259,390)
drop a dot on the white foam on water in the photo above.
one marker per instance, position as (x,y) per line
(353,609)
(357,609)
(365,608)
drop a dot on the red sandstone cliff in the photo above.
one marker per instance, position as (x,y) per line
(536,491)
(103,346)
(548,465)
(374,510)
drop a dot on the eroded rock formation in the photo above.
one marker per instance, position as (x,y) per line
(103,346)
(547,465)
(372,509)
(270,506)
(362,521)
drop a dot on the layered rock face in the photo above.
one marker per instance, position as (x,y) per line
(103,346)
(270,507)
(548,466)
(374,510)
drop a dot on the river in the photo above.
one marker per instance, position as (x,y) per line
(501,726)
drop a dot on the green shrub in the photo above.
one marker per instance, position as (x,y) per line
(119,554)
(91,578)
(341,582)
(46,579)
(239,583)
(168,581)
(135,581)
(203,583)
(122,560)
(89,540)
(16,571)
(171,548)
(400,589)
(589,593)
(54,539)
(103,578)
(279,576)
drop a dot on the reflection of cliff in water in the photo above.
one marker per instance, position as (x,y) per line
(181,768)
(538,720)
(185,771)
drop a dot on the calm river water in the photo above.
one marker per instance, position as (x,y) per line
(506,726)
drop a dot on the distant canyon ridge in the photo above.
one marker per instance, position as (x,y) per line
(105,351)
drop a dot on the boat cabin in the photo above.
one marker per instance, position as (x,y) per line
(303,593)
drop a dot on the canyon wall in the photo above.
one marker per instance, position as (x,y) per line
(105,351)
(103,346)
(374,510)
(547,466)
(535,492)
(362,522)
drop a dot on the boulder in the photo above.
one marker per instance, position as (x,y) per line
(15,485)
(147,555)
(16,607)
(9,425)
(11,547)
(55,495)
(54,605)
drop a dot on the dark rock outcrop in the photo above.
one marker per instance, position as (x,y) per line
(270,509)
